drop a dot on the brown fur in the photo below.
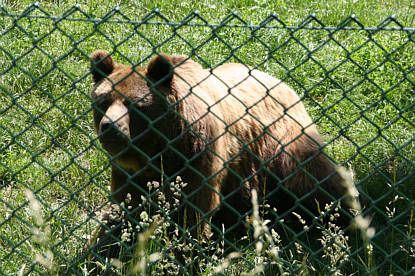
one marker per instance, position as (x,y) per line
(224,131)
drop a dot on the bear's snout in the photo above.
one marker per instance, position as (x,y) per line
(114,130)
(109,129)
(112,138)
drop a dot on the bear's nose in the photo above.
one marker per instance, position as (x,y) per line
(107,128)
(115,122)
(112,136)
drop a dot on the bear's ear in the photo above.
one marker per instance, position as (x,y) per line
(160,69)
(101,65)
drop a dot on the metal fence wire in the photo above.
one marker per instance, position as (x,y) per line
(168,168)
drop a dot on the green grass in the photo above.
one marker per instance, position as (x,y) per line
(357,85)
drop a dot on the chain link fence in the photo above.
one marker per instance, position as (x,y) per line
(356,82)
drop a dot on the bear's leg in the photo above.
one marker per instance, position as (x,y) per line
(105,242)
(201,206)
(312,180)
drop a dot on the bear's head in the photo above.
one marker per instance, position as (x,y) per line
(128,99)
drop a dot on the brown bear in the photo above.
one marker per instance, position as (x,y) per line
(225,131)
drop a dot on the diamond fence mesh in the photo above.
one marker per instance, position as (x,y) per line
(62,214)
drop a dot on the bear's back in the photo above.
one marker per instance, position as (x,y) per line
(252,101)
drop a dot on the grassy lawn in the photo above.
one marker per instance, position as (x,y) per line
(358,85)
